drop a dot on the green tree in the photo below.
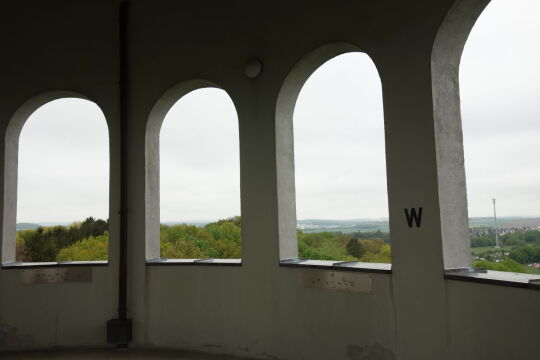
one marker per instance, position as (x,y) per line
(40,246)
(181,250)
(372,235)
(221,240)
(21,252)
(44,243)
(355,248)
(525,254)
(506,265)
(384,255)
(307,252)
(91,248)
(482,241)
(532,237)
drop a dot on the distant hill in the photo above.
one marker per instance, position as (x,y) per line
(33,226)
(27,226)
(352,225)
(344,226)
(505,222)
(366,225)
(196,223)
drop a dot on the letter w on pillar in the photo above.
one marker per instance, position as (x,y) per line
(413,216)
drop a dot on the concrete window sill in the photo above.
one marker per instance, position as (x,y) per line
(195,262)
(31,265)
(524,281)
(338,265)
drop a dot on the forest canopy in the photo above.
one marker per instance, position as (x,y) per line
(89,240)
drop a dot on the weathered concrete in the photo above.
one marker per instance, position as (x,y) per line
(445,59)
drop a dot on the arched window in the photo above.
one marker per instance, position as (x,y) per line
(500,87)
(199,178)
(62,183)
(339,163)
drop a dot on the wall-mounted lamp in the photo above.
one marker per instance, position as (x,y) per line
(253,68)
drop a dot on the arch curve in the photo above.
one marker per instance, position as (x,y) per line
(286,102)
(152,179)
(445,59)
(11,162)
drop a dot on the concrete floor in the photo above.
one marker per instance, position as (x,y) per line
(104,354)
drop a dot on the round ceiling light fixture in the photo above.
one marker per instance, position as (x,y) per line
(253,68)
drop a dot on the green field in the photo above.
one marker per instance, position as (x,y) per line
(367,225)
(504,222)
(480,250)
(348,229)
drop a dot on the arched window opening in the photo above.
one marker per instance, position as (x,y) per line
(500,86)
(340,165)
(200,178)
(62,202)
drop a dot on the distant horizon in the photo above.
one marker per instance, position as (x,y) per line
(52,223)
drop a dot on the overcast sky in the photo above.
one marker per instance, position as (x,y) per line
(339,142)
(339,139)
(63,163)
(200,159)
(500,103)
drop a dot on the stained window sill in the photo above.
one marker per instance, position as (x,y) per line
(32,265)
(193,262)
(338,265)
(501,278)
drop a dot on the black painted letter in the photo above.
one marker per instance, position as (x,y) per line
(413,216)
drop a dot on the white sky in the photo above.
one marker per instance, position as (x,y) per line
(339,139)
(500,103)
(63,163)
(199,158)
(339,142)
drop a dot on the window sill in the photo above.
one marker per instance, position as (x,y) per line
(338,265)
(196,262)
(32,265)
(524,281)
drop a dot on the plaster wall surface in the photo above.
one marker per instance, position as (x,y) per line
(48,47)
(258,309)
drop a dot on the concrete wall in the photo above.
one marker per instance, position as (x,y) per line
(48,47)
(259,308)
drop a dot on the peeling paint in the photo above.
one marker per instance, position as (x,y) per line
(13,338)
(370,352)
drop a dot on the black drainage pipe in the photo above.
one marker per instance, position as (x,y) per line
(119,331)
